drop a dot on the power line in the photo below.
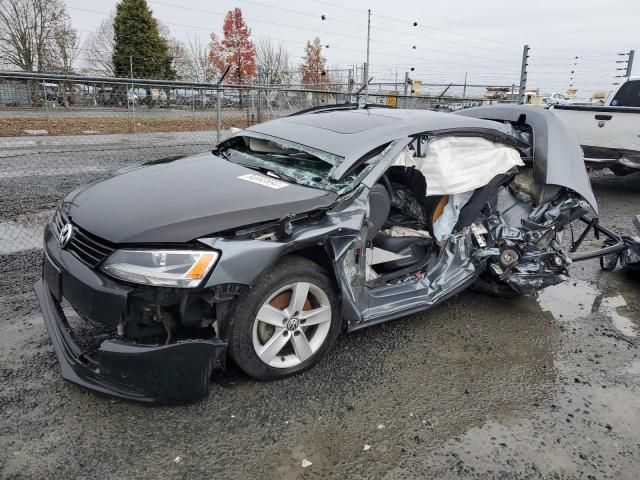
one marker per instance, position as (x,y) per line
(483,65)
(409,22)
(499,67)
(335,33)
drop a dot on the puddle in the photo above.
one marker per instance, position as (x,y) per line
(568,300)
(573,300)
(624,325)
(633,368)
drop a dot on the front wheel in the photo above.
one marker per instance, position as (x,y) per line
(287,322)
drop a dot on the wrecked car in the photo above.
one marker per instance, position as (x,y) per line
(296,230)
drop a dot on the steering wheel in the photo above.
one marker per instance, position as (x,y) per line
(386,183)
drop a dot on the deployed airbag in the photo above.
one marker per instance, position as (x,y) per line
(444,225)
(461,164)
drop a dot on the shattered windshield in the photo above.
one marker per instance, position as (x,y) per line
(287,160)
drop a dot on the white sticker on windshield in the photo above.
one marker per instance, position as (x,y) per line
(264,181)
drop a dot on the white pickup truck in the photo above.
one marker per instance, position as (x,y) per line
(609,134)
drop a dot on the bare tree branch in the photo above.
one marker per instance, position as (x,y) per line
(202,68)
(28,31)
(273,62)
(98,48)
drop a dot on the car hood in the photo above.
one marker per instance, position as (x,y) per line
(182,200)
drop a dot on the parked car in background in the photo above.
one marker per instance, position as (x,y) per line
(557,99)
(609,134)
(158,97)
(69,95)
(132,98)
(51,92)
(117,97)
(112,97)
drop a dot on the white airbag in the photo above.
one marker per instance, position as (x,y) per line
(462,164)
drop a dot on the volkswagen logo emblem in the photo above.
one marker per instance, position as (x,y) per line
(65,235)
(293,324)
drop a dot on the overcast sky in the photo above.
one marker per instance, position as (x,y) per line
(481,38)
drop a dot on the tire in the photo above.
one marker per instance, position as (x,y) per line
(609,262)
(494,288)
(271,337)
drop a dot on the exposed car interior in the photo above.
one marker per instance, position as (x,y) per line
(401,234)
(400,224)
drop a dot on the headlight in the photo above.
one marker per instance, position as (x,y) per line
(169,268)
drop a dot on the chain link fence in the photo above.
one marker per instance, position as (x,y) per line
(58,132)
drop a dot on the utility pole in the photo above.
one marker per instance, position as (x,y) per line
(366,65)
(523,75)
(630,62)
(406,82)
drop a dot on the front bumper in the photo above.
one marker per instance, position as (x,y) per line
(176,373)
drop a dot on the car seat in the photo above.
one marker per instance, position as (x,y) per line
(415,250)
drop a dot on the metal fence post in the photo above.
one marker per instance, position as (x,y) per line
(259,104)
(523,75)
(630,62)
(218,105)
(133,107)
(44,94)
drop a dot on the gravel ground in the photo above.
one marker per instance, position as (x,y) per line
(536,387)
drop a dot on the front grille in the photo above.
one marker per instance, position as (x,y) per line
(90,249)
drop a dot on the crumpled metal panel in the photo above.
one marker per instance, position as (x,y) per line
(453,271)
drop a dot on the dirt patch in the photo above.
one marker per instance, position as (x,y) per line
(15,127)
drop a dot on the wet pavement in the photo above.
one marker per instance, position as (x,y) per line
(534,387)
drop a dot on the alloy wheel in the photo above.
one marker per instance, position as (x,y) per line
(292,325)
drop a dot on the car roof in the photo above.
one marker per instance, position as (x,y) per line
(351,134)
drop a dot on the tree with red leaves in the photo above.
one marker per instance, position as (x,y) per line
(314,64)
(235,49)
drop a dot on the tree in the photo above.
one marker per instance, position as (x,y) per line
(202,68)
(177,51)
(235,49)
(272,61)
(314,64)
(98,47)
(217,55)
(65,46)
(28,30)
(63,54)
(139,48)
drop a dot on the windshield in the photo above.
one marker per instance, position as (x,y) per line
(288,160)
